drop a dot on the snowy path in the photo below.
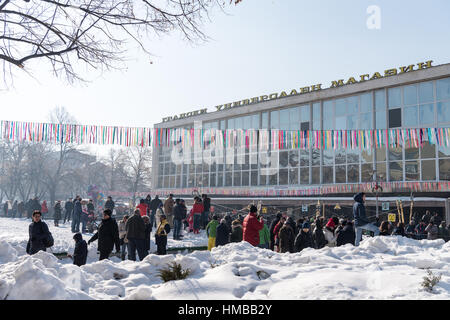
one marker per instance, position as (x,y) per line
(381,268)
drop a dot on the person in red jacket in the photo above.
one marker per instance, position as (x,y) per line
(197,211)
(251,226)
(44,208)
(142,206)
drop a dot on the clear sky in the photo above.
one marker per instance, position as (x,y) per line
(258,47)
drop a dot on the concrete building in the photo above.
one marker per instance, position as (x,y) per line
(414,96)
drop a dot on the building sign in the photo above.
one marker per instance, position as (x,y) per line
(308,89)
(304,208)
(385,206)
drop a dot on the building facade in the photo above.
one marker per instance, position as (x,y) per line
(415,96)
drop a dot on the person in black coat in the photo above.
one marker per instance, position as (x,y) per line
(318,235)
(21,209)
(57,214)
(147,201)
(107,235)
(39,235)
(304,238)
(109,204)
(147,231)
(135,227)
(179,213)
(68,207)
(222,234)
(272,226)
(154,205)
(81,251)
(29,208)
(346,234)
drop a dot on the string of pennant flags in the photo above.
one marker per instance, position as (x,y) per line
(229,138)
(388,187)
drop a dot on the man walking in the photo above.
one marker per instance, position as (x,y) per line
(107,235)
(135,228)
(361,221)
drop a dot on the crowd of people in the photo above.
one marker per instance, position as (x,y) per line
(132,233)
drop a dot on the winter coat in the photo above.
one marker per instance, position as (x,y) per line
(286,238)
(272,227)
(109,204)
(81,251)
(77,210)
(420,228)
(20,208)
(155,204)
(229,221)
(179,212)
(319,238)
(346,235)
(135,227)
(264,235)
(142,209)
(251,227)
(197,208)
(432,231)
(222,235)
(168,206)
(211,228)
(236,232)
(38,235)
(303,240)
(107,235)
(35,205)
(147,231)
(123,231)
(330,237)
(58,209)
(207,204)
(68,206)
(44,208)
(163,229)
(359,211)
(276,230)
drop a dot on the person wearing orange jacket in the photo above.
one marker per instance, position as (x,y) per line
(142,206)
(251,226)
(197,211)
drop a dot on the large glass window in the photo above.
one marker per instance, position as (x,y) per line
(426,115)
(380,100)
(396,171)
(410,95)
(444,169)
(426,92)
(395,118)
(428,170)
(394,98)
(443,111)
(443,89)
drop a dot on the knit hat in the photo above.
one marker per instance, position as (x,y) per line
(331,223)
(305,225)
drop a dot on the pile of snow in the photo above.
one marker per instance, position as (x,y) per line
(380,268)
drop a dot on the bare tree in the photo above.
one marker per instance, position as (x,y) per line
(138,164)
(94,32)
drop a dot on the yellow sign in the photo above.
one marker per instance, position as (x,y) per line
(392,217)
(264,210)
(308,89)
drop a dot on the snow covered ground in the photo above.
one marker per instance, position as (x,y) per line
(381,268)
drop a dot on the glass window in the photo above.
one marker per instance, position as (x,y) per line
(412,170)
(273,180)
(327,175)
(411,153)
(428,170)
(316,116)
(328,107)
(230,124)
(443,111)
(366,155)
(352,105)
(304,176)
(428,150)
(328,157)
(340,156)
(284,177)
(381,120)
(444,152)
(366,121)
(220,180)
(410,95)
(380,100)
(395,118)
(353,173)
(245,178)
(381,171)
(367,172)
(341,107)
(395,154)
(228,178)
(444,170)
(341,174)
(341,123)
(283,159)
(284,119)
(212,180)
(237,178)
(411,117)
(366,102)
(443,89)
(426,114)
(265,120)
(353,156)
(352,122)
(293,158)
(254,178)
(396,171)
(294,118)
(304,113)
(293,176)
(255,121)
(222,124)
(426,92)
(394,97)
(315,157)
(315,175)
(274,120)
(262,179)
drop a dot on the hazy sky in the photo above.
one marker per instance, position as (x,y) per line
(259,47)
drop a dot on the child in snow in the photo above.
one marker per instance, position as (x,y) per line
(211,232)
(81,251)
